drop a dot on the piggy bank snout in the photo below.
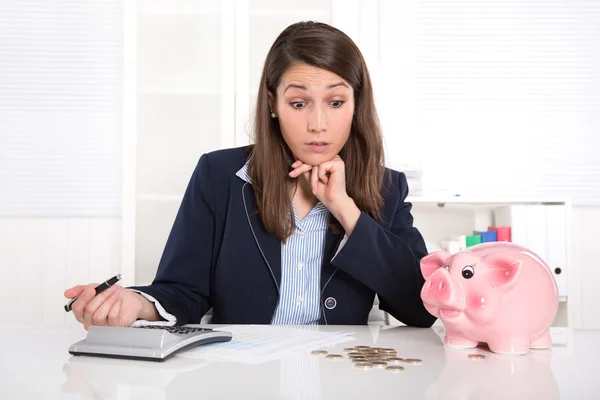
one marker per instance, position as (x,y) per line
(440,290)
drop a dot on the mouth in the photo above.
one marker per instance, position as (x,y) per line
(318,146)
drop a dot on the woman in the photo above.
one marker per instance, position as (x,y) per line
(304,227)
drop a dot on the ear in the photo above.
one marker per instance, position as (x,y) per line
(503,270)
(433,261)
(271,101)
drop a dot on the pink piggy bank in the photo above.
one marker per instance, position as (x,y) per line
(497,293)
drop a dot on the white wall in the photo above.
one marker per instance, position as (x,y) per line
(41,257)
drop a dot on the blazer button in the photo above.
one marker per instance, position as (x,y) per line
(330,303)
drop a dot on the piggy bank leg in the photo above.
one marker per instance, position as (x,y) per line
(458,341)
(510,345)
(542,342)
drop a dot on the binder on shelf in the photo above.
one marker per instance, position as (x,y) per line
(461,240)
(451,246)
(472,240)
(556,236)
(503,233)
(487,236)
(536,231)
(543,230)
(516,218)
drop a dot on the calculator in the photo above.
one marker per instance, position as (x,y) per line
(151,343)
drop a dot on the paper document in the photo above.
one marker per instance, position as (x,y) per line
(256,344)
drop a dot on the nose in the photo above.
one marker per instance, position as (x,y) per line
(317,120)
(441,291)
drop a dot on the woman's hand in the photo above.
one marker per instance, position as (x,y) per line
(116,306)
(328,183)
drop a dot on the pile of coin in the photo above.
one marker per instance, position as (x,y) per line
(366,358)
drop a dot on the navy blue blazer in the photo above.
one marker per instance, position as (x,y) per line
(219,255)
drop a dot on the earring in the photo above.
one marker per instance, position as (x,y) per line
(273,115)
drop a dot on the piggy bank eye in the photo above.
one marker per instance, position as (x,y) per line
(447,267)
(468,272)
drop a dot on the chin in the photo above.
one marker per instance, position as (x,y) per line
(315,158)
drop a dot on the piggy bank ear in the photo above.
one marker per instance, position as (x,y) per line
(503,271)
(433,261)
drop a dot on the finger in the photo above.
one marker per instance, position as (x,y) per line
(115,311)
(75,291)
(297,163)
(323,173)
(95,303)
(314,179)
(82,301)
(299,170)
(100,316)
(330,167)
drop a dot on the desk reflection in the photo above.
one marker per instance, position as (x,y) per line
(495,377)
(300,375)
(104,378)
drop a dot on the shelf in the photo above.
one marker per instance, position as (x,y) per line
(482,200)
(181,9)
(184,92)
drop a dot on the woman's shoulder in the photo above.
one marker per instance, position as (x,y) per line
(394,179)
(224,162)
(395,186)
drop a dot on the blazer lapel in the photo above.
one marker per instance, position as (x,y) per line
(268,244)
(332,242)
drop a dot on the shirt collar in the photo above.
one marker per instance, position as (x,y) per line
(243,173)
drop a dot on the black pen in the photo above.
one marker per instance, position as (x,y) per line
(99,289)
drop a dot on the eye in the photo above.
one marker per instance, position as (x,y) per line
(468,272)
(337,103)
(298,105)
(447,267)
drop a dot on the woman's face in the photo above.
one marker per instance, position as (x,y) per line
(315,108)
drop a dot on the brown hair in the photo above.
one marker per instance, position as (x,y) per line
(323,46)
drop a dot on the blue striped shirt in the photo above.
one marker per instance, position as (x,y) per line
(301,258)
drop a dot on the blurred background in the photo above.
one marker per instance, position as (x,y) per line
(491,108)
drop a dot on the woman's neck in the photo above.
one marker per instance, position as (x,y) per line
(303,198)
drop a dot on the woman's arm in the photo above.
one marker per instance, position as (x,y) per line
(387,260)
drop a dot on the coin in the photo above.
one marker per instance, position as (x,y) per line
(334,356)
(363,365)
(361,347)
(413,361)
(476,356)
(354,354)
(379,364)
(359,360)
(388,350)
(318,352)
(394,360)
(349,349)
(394,368)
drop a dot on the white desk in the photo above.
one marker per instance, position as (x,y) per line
(35,364)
